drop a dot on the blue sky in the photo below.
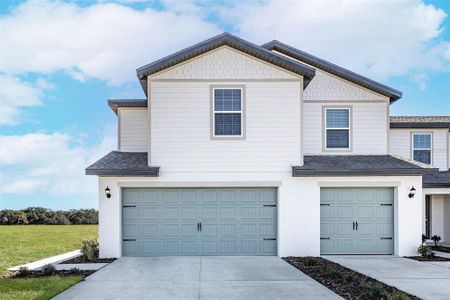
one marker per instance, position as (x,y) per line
(60,61)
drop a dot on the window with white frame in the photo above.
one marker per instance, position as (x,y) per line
(227,115)
(421,150)
(337,128)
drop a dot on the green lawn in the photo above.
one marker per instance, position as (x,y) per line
(35,288)
(26,243)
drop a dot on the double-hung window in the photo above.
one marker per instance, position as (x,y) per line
(337,128)
(228,112)
(421,150)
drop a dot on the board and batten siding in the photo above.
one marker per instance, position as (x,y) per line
(133,129)
(181,128)
(368,128)
(401,144)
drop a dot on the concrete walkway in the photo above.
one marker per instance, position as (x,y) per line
(198,278)
(427,280)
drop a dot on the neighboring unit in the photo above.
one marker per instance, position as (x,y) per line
(427,140)
(241,149)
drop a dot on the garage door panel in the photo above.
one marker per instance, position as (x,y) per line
(356,220)
(234,221)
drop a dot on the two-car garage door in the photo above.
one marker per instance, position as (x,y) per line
(356,220)
(199,221)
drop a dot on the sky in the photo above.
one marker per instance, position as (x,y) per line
(61,60)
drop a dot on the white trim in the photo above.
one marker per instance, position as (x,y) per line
(419,149)
(436,191)
(199,184)
(214,112)
(358,183)
(340,128)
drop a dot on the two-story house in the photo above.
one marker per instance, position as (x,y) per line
(240,149)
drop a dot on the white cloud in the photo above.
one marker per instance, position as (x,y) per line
(16,93)
(421,80)
(380,41)
(103,41)
(50,163)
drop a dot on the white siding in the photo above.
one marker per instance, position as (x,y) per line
(180,128)
(368,128)
(400,144)
(224,63)
(325,86)
(133,130)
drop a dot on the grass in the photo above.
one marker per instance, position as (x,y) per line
(35,288)
(26,243)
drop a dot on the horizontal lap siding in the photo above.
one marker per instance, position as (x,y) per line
(400,144)
(369,128)
(133,130)
(180,129)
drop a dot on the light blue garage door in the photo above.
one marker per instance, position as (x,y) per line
(206,221)
(356,220)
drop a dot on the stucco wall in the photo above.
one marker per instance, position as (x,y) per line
(446,224)
(133,129)
(400,144)
(298,206)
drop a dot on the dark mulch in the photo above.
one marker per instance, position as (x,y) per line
(35,274)
(434,258)
(83,260)
(441,248)
(346,283)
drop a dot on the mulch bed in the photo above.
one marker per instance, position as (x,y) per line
(83,260)
(346,283)
(36,274)
(434,258)
(441,248)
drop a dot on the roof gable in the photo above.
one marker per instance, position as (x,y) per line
(225,39)
(331,68)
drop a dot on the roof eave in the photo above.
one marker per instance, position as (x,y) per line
(365,82)
(152,172)
(224,39)
(297,172)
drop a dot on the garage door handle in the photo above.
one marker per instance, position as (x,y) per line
(269,205)
(353,225)
(129,240)
(129,206)
(356,225)
(269,239)
(386,238)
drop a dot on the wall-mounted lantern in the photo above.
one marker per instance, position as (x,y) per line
(412,192)
(108,192)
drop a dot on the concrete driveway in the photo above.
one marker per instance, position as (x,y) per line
(427,280)
(198,278)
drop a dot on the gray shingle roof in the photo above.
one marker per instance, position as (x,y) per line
(420,122)
(356,165)
(436,180)
(118,163)
(224,39)
(114,104)
(331,68)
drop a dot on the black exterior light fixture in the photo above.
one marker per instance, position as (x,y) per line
(412,192)
(108,192)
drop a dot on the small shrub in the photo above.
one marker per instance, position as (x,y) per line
(424,238)
(311,261)
(48,270)
(89,247)
(425,251)
(399,296)
(374,291)
(333,273)
(436,239)
(23,272)
(74,271)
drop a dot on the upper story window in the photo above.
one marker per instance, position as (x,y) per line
(228,112)
(337,128)
(421,150)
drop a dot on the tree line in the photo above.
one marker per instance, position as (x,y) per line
(46,216)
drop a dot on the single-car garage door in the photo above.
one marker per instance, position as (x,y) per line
(199,221)
(356,220)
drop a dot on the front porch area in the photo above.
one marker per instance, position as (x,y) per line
(437,215)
